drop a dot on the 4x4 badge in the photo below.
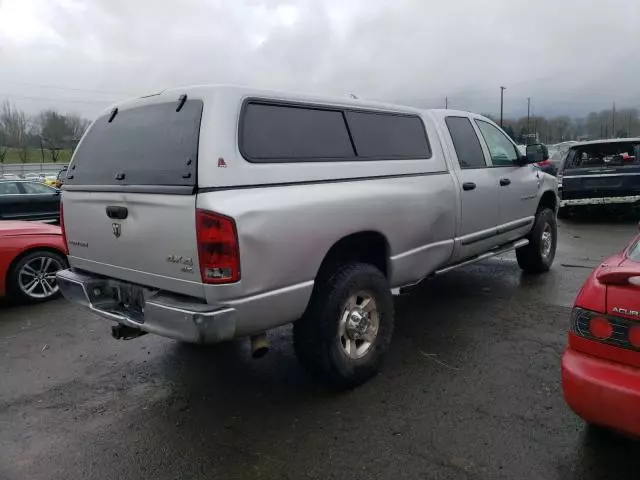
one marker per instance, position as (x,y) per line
(117,229)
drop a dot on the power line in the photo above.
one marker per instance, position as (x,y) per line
(73,89)
(49,99)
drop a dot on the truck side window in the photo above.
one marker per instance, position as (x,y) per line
(503,152)
(466,143)
(283,133)
(382,135)
(280,133)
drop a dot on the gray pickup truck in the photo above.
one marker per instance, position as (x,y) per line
(210,213)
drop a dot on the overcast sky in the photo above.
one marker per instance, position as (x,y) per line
(568,55)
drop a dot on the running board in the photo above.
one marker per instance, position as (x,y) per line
(492,253)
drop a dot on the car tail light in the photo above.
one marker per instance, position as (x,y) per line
(600,328)
(218,250)
(615,331)
(64,233)
(634,337)
(544,163)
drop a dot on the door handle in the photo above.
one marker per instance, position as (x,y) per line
(468,186)
(117,213)
(504,182)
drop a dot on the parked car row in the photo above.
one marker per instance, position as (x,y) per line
(54,179)
(28,200)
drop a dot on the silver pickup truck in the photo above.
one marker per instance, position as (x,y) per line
(210,213)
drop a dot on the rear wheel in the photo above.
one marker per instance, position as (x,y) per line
(32,278)
(345,333)
(537,257)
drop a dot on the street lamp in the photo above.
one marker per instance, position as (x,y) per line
(502,89)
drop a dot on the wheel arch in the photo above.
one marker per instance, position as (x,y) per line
(367,246)
(549,199)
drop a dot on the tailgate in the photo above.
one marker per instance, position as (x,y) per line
(155,245)
(601,182)
(129,196)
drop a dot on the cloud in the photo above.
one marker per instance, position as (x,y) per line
(573,55)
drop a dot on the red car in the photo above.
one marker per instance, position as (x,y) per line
(601,364)
(30,255)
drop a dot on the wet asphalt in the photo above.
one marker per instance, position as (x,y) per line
(471,390)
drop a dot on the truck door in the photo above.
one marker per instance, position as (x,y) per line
(517,185)
(479,212)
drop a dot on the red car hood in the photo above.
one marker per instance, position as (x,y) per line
(11,228)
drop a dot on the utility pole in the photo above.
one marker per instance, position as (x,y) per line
(613,121)
(528,113)
(629,125)
(502,89)
(446,102)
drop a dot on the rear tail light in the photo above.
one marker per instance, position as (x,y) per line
(544,163)
(600,328)
(64,233)
(218,250)
(634,337)
(615,331)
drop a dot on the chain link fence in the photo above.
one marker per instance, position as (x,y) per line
(23,168)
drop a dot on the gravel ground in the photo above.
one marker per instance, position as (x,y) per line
(471,390)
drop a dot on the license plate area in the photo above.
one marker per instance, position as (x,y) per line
(129,300)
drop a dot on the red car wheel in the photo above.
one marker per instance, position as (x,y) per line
(32,278)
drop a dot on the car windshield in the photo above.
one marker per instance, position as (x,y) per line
(634,251)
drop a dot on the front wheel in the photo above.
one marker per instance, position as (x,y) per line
(537,257)
(345,333)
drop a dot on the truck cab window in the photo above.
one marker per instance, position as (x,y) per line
(503,152)
(466,143)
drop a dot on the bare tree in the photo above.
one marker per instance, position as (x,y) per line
(77,126)
(3,145)
(14,124)
(23,147)
(54,132)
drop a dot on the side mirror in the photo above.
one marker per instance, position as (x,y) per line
(537,152)
(57,192)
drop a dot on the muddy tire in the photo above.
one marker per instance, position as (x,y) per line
(345,333)
(537,257)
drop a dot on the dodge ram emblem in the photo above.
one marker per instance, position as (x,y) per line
(117,229)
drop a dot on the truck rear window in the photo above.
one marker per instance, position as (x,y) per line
(147,145)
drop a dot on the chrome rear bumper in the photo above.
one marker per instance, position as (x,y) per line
(173,316)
